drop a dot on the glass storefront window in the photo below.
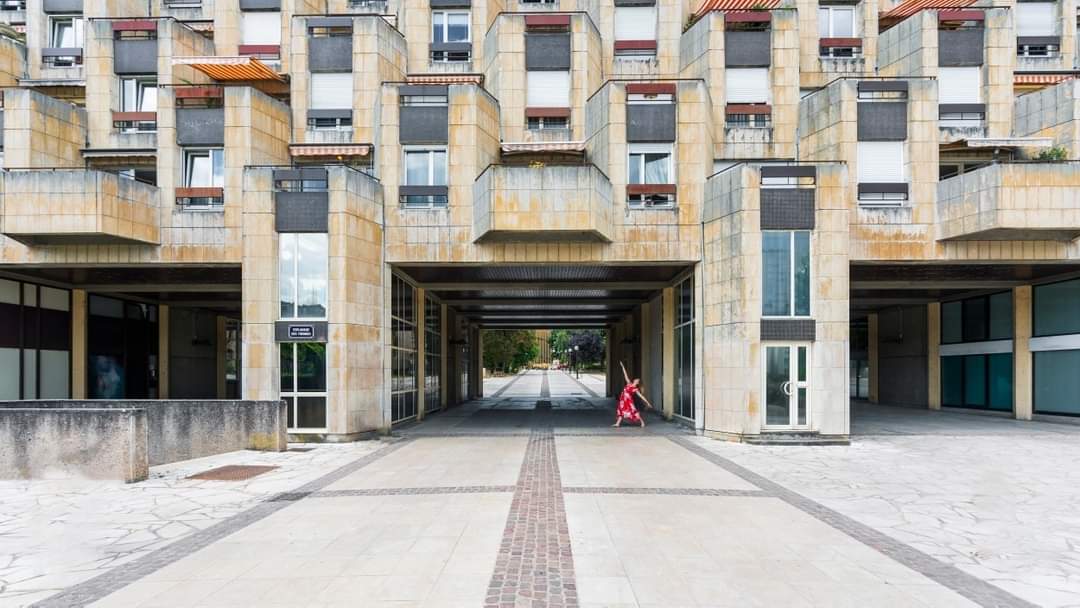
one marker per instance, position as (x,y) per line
(1055,308)
(684,349)
(977,319)
(432,354)
(1056,382)
(122,344)
(303,385)
(978,381)
(786,274)
(403,372)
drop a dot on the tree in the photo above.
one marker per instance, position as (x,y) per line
(591,345)
(509,350)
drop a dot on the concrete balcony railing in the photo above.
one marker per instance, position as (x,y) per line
(545,203)
(1013,201)
(76,206)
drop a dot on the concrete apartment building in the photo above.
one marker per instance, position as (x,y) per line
(773,207)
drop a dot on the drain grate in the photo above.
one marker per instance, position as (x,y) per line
(543,405)
(300,449)
(233,472)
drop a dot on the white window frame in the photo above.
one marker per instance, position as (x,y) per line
(757,72)
(312,93)
(260,36)
(641,150)
(793,372)
(77,30)
(634,12)
(295,393)
(445,16)
(791,276)
(904,178)
(529,74)
(190,154)
(296,280)
(832,11)
(430,150)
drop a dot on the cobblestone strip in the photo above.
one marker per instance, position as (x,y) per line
(545,387)
(535,564)
(123,575)
(947,575)
(423,491)
(663,491)
(506,386)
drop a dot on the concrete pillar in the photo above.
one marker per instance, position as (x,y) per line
(933,355)
(1023,406)
(479,362)
(221,333)
(163,350)
(872,354)
(444,358)
(78,343)
(421,340)
(646,356)
(668,336)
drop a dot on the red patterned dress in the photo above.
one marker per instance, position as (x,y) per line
(627,410)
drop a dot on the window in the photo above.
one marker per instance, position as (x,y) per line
(35,329)
(542,123)
(684,349)
(303,261)
(959,85)
(260,28)
(881,162)
(138,94)
(650,165)
(786,273)
(331,91)
(977,319)
(1054,308)
(204,168)
(836,22)
(635,23)
(747,85)
(547,89)
(425,167)
(65,32)
(303,385)
(741,120)
(403,372)
(450,26)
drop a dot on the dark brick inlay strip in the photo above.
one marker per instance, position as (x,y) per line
(945,574)
(422,491)
(535,564)
(545,388)
(663,491)
(506,386)
(581,384)
(119,577)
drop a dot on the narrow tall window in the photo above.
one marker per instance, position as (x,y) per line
(303,385)
(203,178)
(451,33)
(403,368)
(881,162)
(260,34)
(786,273)
(635,31)
(836,22)
(425,167)
(66,32)
(331,96)
(649,165)
(303,275)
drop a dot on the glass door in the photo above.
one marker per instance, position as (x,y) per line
(787,386)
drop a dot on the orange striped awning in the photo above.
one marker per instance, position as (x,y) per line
(334,150)
(571,147)
(445,79)
(224,69)
(908,8)
(729,6)
(1040,79)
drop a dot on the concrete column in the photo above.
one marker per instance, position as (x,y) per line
(479,362)
(421,339)
(221,334)
(78,344)
(933,355)
(444,377)
(872,354)
(646,356)
(163,351)
(668,336)
(1023,406)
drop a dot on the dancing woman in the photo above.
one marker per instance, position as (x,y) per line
(627,410)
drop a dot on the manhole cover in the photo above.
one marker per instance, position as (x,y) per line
(233,472)
(300,449)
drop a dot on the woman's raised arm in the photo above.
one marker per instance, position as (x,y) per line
(624,374)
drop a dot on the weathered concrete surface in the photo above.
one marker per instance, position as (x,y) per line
(89,442)
(180,430)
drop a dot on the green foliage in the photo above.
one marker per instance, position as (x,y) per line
(509,350)
(591,345)
(1055,153)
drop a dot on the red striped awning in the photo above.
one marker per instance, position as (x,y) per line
(224,69)
(335,150)
(572,147)
(910,7)
(1040,79)
(728,6)
(445,79)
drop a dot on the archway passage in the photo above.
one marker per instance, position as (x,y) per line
(582,322)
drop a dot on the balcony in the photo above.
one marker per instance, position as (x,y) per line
(76,206)
(542,203)
(1011,201)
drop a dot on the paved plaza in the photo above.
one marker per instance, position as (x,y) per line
(529,498)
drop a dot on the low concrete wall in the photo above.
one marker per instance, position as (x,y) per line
(89,442)
(173,430)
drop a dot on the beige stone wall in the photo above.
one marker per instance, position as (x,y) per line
(379,55)
(57,205)
(414,21)
(12,62)
(909,49)
(671,15)
(999,60)
(1052,112)
(730,279)
(1064,60)
(41,132)
(260,357)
